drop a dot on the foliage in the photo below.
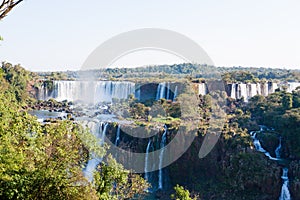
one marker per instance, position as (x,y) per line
(46,161)
(113,182)
(279,110)
(181,194)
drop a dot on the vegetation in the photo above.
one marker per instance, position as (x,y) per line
(281,111)
(46,161)
(181,194)
(181,72)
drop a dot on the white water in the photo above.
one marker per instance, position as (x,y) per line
(285,193)
(161,157)
(175,93)
(291,86)
(242,91)
(202,89)
(168,91)
(90,91)
(96,129)
(164,91)
(259,148)
(233,91)
(146,168)
(118,135)
(239,90)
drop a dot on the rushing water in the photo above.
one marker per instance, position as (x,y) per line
(146,169)
(96,129)
(175,93)
(285,193)
(88,91)
(161,157)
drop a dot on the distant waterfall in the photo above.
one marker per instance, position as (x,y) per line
(291,86)
(146,168)
(89,91)
(233,91)
(161,157)
(96,129)
(202,89)
(242,91)
(285,193)
(249,90)
(117,141)
(175,93)
(165,91)
(259,148)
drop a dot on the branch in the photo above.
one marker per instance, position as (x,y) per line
(6,6)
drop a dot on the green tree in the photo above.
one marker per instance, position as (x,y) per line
(181,194)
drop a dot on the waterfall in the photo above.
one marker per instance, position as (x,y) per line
(285,193)
(278,149)
(163,91)
(161,157)
(291,86)
(175,93)
(96,129)
(233,91)
(146,168)
(259,148)
(242,91)
(202,88)
(168,91)
(264,89)
(118,135)
(252,90)
(138,94)
(90,91)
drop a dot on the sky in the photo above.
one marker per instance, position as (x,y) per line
(60,34)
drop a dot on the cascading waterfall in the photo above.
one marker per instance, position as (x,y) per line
(118,135)
(291,86)
(175,93)
(239,90)
(242,91)
(233,91)
(285,193)
(259,148)
(164,91)
(168,91)
(202,89)
(89,91)
(146,168)
(161,157)
(96,129)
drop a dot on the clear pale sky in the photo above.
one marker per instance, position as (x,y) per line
(45,35)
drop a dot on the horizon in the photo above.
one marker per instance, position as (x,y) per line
(233,33)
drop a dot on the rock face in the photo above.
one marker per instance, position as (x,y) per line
(230,171)
(295,181)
